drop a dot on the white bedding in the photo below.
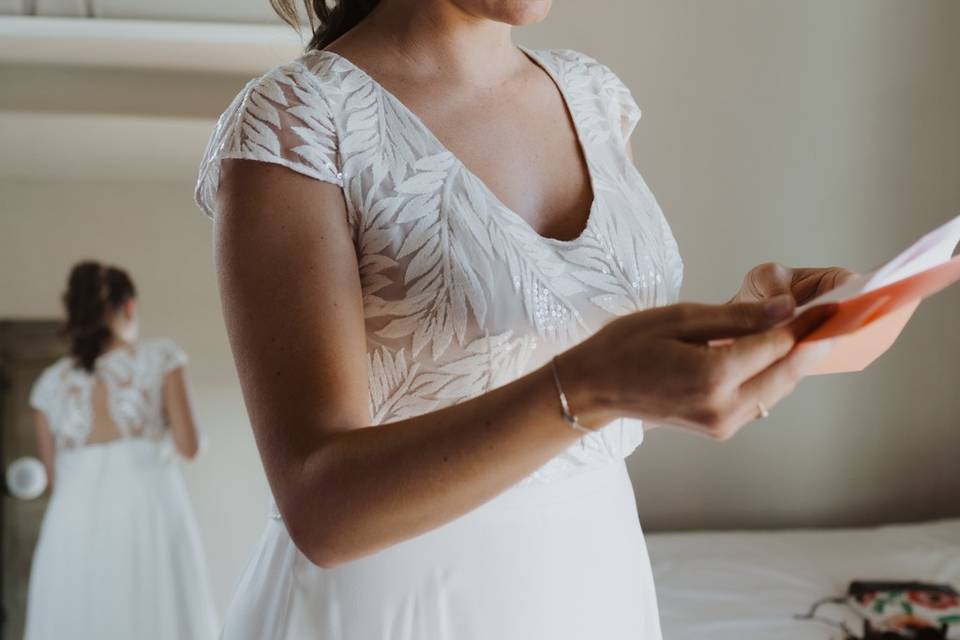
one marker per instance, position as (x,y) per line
(740,585)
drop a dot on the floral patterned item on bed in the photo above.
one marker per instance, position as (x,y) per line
(905,607)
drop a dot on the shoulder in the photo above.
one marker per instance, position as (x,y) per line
(310,80)
(283,116)
(163,353)
(573,61)
(310,76)
(587,78)
(56,370)
(571,56)
(48,382)
(160,346)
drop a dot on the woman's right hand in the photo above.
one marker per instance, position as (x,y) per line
(658,365)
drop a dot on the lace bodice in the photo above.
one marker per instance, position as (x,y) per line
(133,381)
(461,294)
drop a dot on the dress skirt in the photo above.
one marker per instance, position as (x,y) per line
(563,560)
(119,555)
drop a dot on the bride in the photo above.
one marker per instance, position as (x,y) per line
(451,300)
(119,555)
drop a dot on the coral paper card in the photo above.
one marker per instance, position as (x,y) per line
(874,308)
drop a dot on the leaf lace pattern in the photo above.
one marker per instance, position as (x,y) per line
(460,294)
(134,386)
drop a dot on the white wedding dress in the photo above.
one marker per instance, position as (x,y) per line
(461,295)
(119,555)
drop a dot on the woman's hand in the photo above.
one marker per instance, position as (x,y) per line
(771,279)
(657,365)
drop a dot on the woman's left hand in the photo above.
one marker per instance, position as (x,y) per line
(772,279)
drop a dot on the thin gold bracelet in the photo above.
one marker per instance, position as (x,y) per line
(565,406)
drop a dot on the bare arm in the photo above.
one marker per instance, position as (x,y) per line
(290,287)
(291,294)
(46,448)
(179,410)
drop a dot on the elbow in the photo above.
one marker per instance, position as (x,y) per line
(320,545)
(190,451)
(325,559)
(325,516)
(328,541)
(191,447)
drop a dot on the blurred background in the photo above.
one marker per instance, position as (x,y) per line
(809,133)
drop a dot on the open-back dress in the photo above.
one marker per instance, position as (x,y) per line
(119,554)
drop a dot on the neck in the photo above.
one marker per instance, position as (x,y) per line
(437,39)
(118,342)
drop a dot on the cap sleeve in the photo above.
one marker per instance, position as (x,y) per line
(624,103)
(169,355)
(280,117)
(42,390)
(617,100)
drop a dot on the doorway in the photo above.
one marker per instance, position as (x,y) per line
(26,348)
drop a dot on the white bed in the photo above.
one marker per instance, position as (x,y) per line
(741,585)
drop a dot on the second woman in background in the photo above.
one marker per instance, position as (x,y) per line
(119,555)
(451,301)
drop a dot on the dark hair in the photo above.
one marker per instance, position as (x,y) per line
(94,292)
(327,20)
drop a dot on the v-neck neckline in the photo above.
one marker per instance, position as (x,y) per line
(535,58)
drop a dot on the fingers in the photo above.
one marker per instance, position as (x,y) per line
(773,384)
(744,357)
(701,322)
(843,276)
(811,282)
(763,282)
(737,405)
(757,361)
(740,359)
(748,356)
(811,319)
(769,279)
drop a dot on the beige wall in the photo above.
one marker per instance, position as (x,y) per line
(813,132)
(808,132)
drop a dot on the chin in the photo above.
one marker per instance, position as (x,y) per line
(512,12)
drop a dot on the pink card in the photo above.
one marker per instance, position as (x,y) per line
(874,308)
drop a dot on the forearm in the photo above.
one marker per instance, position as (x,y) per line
(179,410)
(186,441)
(46,447)
(362,490)
(50,467)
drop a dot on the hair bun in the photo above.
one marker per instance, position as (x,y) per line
(94,291)
(83,300)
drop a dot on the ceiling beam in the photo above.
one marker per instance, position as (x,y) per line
(211,47)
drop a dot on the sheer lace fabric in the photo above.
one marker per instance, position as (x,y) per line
(121,398)
(460,294)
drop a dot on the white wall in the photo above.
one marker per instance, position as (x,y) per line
(809,132)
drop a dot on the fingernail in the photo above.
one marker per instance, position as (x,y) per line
(779,307)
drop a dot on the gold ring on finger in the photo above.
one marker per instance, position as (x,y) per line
(762,410)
